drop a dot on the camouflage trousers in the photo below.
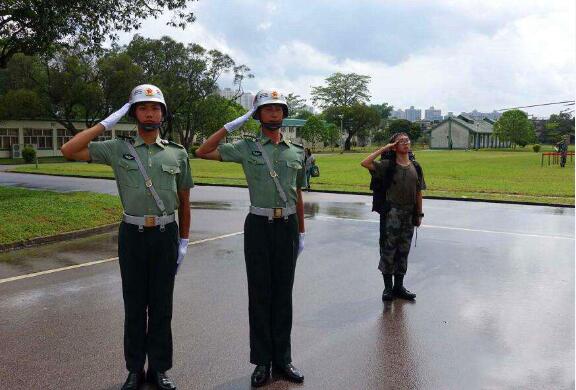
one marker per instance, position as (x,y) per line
(396,231)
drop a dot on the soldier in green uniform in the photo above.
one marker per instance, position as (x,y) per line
(154,179)
(563,149)
(273,231)
(404,182)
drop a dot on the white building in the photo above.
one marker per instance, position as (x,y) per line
(433,114)
(46,136)
(398,114)
(413,114)
(463,132)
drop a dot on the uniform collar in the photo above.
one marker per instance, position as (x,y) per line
(138,140)
(264,140)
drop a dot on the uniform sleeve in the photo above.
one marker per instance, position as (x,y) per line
(232,152)
(184,180)
(301,180)
(101,152)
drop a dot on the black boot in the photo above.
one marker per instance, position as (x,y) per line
(387,294)
(134,381)
(288,372)
(260,375)
(399,289)
(160,379)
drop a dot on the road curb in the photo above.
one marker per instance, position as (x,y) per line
(341,192)
(57,237)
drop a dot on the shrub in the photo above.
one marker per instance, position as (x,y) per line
(536,148)
(28,154)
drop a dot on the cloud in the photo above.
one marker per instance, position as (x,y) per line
(453,54)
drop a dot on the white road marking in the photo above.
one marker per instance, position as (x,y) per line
(51,271)
(457,228)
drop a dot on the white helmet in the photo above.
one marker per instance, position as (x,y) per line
(146,93)
(265,97)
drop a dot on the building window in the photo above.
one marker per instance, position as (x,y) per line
(106,135)
(8,137)
(63,136)
(42,138)
(125,133)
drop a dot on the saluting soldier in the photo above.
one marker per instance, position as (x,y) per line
(273,230)
(154,179)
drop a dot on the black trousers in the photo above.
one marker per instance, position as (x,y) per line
(148,267)
(270,251)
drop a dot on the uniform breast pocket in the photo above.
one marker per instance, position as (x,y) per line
(169,174)
(256,169)
(128,174)
(292,168)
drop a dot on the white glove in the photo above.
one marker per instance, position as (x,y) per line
(182,249)
(115,117)
(238,122)
(301,243)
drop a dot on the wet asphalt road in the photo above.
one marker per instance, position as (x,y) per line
(495,306)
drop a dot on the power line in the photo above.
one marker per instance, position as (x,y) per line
(571,102)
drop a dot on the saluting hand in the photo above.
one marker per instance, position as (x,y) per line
(115,117)
(238,122)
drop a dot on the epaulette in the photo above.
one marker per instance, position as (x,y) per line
(166,142)
(296,144)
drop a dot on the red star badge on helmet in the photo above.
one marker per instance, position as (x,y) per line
(149,92)
(275,95)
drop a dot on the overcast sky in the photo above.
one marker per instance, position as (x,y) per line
(457,55)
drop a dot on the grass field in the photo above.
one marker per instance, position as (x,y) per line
(28,213)
(492,175)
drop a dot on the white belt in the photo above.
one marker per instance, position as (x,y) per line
(149,220)
(277,212)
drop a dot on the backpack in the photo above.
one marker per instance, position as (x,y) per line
(380,187)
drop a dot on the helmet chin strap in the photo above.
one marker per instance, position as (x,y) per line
(149,126)
(272,125)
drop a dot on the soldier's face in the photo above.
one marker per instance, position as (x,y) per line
(149,113)
(271,113)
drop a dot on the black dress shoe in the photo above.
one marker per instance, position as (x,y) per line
(289,372)
(134,381)
(402,293)
(161,380)
(260,375)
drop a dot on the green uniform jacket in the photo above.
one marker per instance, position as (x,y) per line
(167,165)
(287,160)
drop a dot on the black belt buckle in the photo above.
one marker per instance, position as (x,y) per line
(277,212)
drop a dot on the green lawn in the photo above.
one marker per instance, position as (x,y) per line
(493,175)
(27,214)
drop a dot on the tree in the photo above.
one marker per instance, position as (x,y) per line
(342,90)
(313,130)
(69,86)
(357,120)
(384,110)
(188,76)
(330,135)
(413,130)
(295,104)
(38,26)
(514,126)
(559,125)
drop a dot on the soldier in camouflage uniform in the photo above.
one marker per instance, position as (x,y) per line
(403,211)
(563,149)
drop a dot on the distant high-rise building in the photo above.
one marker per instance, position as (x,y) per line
(226,93)
(246,100)
(413,114)
(433,114)
(398,114)
(477,115)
